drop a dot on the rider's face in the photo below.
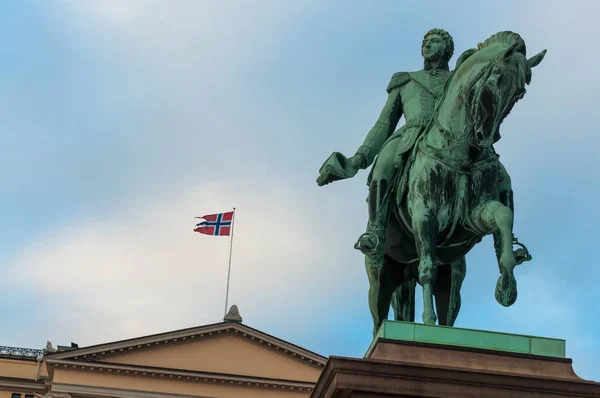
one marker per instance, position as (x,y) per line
(433,48)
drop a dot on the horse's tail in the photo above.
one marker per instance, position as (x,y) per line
(403,301)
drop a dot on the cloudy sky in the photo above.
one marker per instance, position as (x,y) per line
(124,120)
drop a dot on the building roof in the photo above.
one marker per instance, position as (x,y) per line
(131,358)
(179,336)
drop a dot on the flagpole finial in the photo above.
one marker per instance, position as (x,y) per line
(233,315)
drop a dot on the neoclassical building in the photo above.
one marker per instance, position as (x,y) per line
(226,359)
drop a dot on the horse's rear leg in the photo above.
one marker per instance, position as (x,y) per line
(382,283)
(441,292)
(498,218)
(425,228)
(403,301)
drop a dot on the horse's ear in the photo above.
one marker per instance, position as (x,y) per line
(536,59)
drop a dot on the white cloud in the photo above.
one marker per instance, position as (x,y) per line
(136,265)
(113,11)
(219,34)
(144,270)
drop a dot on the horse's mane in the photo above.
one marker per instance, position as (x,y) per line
(509,39)
(506,37)
(513,43)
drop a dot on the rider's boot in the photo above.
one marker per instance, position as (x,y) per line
(372,242)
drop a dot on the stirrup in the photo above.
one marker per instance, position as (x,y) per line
(368,235)
(521,255)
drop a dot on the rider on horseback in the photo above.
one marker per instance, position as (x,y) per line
(413,94)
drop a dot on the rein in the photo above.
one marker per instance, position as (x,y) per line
(484,73)
(464,166)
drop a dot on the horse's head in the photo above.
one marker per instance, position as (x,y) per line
(488,81)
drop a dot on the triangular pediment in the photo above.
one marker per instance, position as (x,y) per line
(224,348)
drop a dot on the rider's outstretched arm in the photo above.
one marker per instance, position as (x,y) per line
(383,128)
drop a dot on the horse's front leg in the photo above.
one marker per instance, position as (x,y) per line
(425,228)
(499,219)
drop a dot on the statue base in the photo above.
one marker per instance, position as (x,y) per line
(415,360)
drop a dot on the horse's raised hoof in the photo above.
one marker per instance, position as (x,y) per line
(506,289)
(429,319)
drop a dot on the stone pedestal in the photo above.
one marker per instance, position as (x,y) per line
(414,360)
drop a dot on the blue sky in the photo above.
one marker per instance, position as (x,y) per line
(124,120)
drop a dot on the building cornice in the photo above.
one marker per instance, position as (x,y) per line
(96,352)
(11,383)
(183,375)
(114,392)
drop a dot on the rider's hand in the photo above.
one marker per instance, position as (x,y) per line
(354,163)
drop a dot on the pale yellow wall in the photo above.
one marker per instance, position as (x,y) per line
(170,386)
(20,369)
(6,394)
(229,354)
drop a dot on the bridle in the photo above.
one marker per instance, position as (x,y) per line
(484,74)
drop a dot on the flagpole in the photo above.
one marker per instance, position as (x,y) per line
(229,269)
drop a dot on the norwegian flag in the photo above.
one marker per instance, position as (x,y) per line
(215,224)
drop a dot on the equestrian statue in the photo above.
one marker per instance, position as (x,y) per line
(436,185)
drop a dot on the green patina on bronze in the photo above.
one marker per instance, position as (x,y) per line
(479,339)
(436,185)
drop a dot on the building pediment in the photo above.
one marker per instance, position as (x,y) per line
(218,349)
